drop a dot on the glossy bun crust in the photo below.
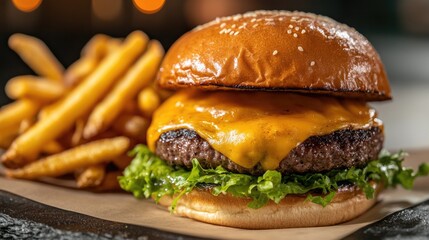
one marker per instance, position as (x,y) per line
(276,51)
(292,211)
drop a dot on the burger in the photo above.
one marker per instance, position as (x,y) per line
(270,126)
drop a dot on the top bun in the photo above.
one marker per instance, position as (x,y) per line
(276,51)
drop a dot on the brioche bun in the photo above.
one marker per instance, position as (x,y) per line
(276,51)
(292,211)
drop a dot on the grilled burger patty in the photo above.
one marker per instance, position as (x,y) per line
(338,150)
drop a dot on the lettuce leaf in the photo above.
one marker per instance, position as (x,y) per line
(149,176)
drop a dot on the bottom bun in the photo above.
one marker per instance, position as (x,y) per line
(292,211)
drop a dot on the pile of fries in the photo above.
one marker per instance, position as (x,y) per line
(80,121)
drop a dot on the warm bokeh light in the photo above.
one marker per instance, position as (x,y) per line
(149,6)
(26,5)
(107,10)
(201,11)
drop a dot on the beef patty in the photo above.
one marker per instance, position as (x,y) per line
(337,150)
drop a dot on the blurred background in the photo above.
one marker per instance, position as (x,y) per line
(399,30)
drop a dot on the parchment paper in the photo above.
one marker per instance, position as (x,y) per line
(123,207)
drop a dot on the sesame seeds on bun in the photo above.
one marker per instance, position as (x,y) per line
(277,51)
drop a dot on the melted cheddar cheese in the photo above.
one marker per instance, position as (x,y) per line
(257,127)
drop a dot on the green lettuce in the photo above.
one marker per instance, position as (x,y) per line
(149,176)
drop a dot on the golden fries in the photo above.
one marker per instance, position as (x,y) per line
(15,112)
(110,182)
(139,76)
(113,44)
(91,176)
(96,46)
(76,103)
(5,142)
(52,147)
(35,88)
(38,56)
(25,125)
(148,101)
(49,109)
(12,130)
(77,136)
(132,126)
(79,70)
(79,157)
(8,134)
(92,53)
(85,124)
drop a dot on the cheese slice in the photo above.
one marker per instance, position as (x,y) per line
(257,127)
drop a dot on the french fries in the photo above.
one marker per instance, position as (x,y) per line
(12,130)
(38,56)
(33,87)
(91,177)
(76,103)
(80,70)
(148,101)
(8,134)
(5,142)
(25,125)
(110,182)
(132,126)
(113,44)
(79,157)
(52,147)
(15,112)
(139,76)
(77,136)
(96,46)
(49,109)
(92,53)
(82,120)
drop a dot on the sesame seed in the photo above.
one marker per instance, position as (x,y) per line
(253,20)
(280,19)
(289,31)
(236,33)
(275,52)
(269,19)
(241,27)
(290,26)
(230,33)
(303,31)
(227,30)
(300,49)
(259,20)
(295,35)
(312,63)
(296,28)
(254,26)
(222,25)
(236,17)
(222,31)
(233,26)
